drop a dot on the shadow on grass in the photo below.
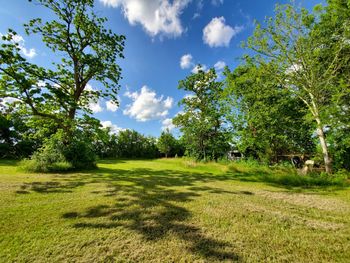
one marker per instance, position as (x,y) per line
(7,162)
(147,202)
(49,187)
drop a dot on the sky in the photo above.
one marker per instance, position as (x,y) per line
(165,41)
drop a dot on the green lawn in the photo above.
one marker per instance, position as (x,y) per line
(168,211)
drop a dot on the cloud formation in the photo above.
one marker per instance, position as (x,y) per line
(199,67)
(218,34)
(29,53)
(220,65)
(146,106)
(111,106)
(155,16)
(186,61)
(167,124)
(95,107)
(113,128)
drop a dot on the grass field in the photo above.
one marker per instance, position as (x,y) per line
(169,211)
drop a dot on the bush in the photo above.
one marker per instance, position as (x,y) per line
(80,154)
(58,154)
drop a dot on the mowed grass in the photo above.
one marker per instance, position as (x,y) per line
(168,210)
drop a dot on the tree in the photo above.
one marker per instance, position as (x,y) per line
(166,143)
(268,121)
(202,122)
(132,144)
(335,22)
(88,50)
(294,50)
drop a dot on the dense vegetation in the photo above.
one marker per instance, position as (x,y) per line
(289,96)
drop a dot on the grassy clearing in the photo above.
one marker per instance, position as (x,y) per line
(170,210)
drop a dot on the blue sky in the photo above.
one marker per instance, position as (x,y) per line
(160,34)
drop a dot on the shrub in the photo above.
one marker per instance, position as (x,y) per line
(58,154)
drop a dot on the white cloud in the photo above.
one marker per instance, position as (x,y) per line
(220,65)
(146,106)
(156,16)
(199,67)
(89,88)
(186,61)
(30,53)
(113,128)
(218,34)
(95,107)
(217,2)
(111,106)
(196,15)
(167,124)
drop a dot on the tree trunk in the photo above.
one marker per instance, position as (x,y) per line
(322,138)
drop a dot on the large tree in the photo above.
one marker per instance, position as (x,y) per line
(268,121)
(203,120)
(87,51)
(335,22)
(291,43)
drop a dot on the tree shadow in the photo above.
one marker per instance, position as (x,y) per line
(152,203)
(49,187)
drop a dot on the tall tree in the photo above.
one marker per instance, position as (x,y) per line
(335,22)
(202,122)
(166,143)
(291,44)
(88,51)
(267,119)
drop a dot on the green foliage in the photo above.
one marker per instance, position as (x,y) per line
(203,121)
(15,141)
(49,157)
(60,153)
(285,175)
(88,52)
(268,120)
(166,143)
(304,60)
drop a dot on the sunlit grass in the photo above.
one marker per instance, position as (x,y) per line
(170,210)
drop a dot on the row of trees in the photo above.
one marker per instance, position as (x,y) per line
(289,96)
(18,140)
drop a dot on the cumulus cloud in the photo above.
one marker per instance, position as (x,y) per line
(186,61)
(218,34)
(95,107)
(220,65)
(111,106)
(29,53)
(167,124)
(113,128)
(156,16)
(199,67)
(146,106)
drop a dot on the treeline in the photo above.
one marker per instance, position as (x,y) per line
(18,141)
(290,95)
